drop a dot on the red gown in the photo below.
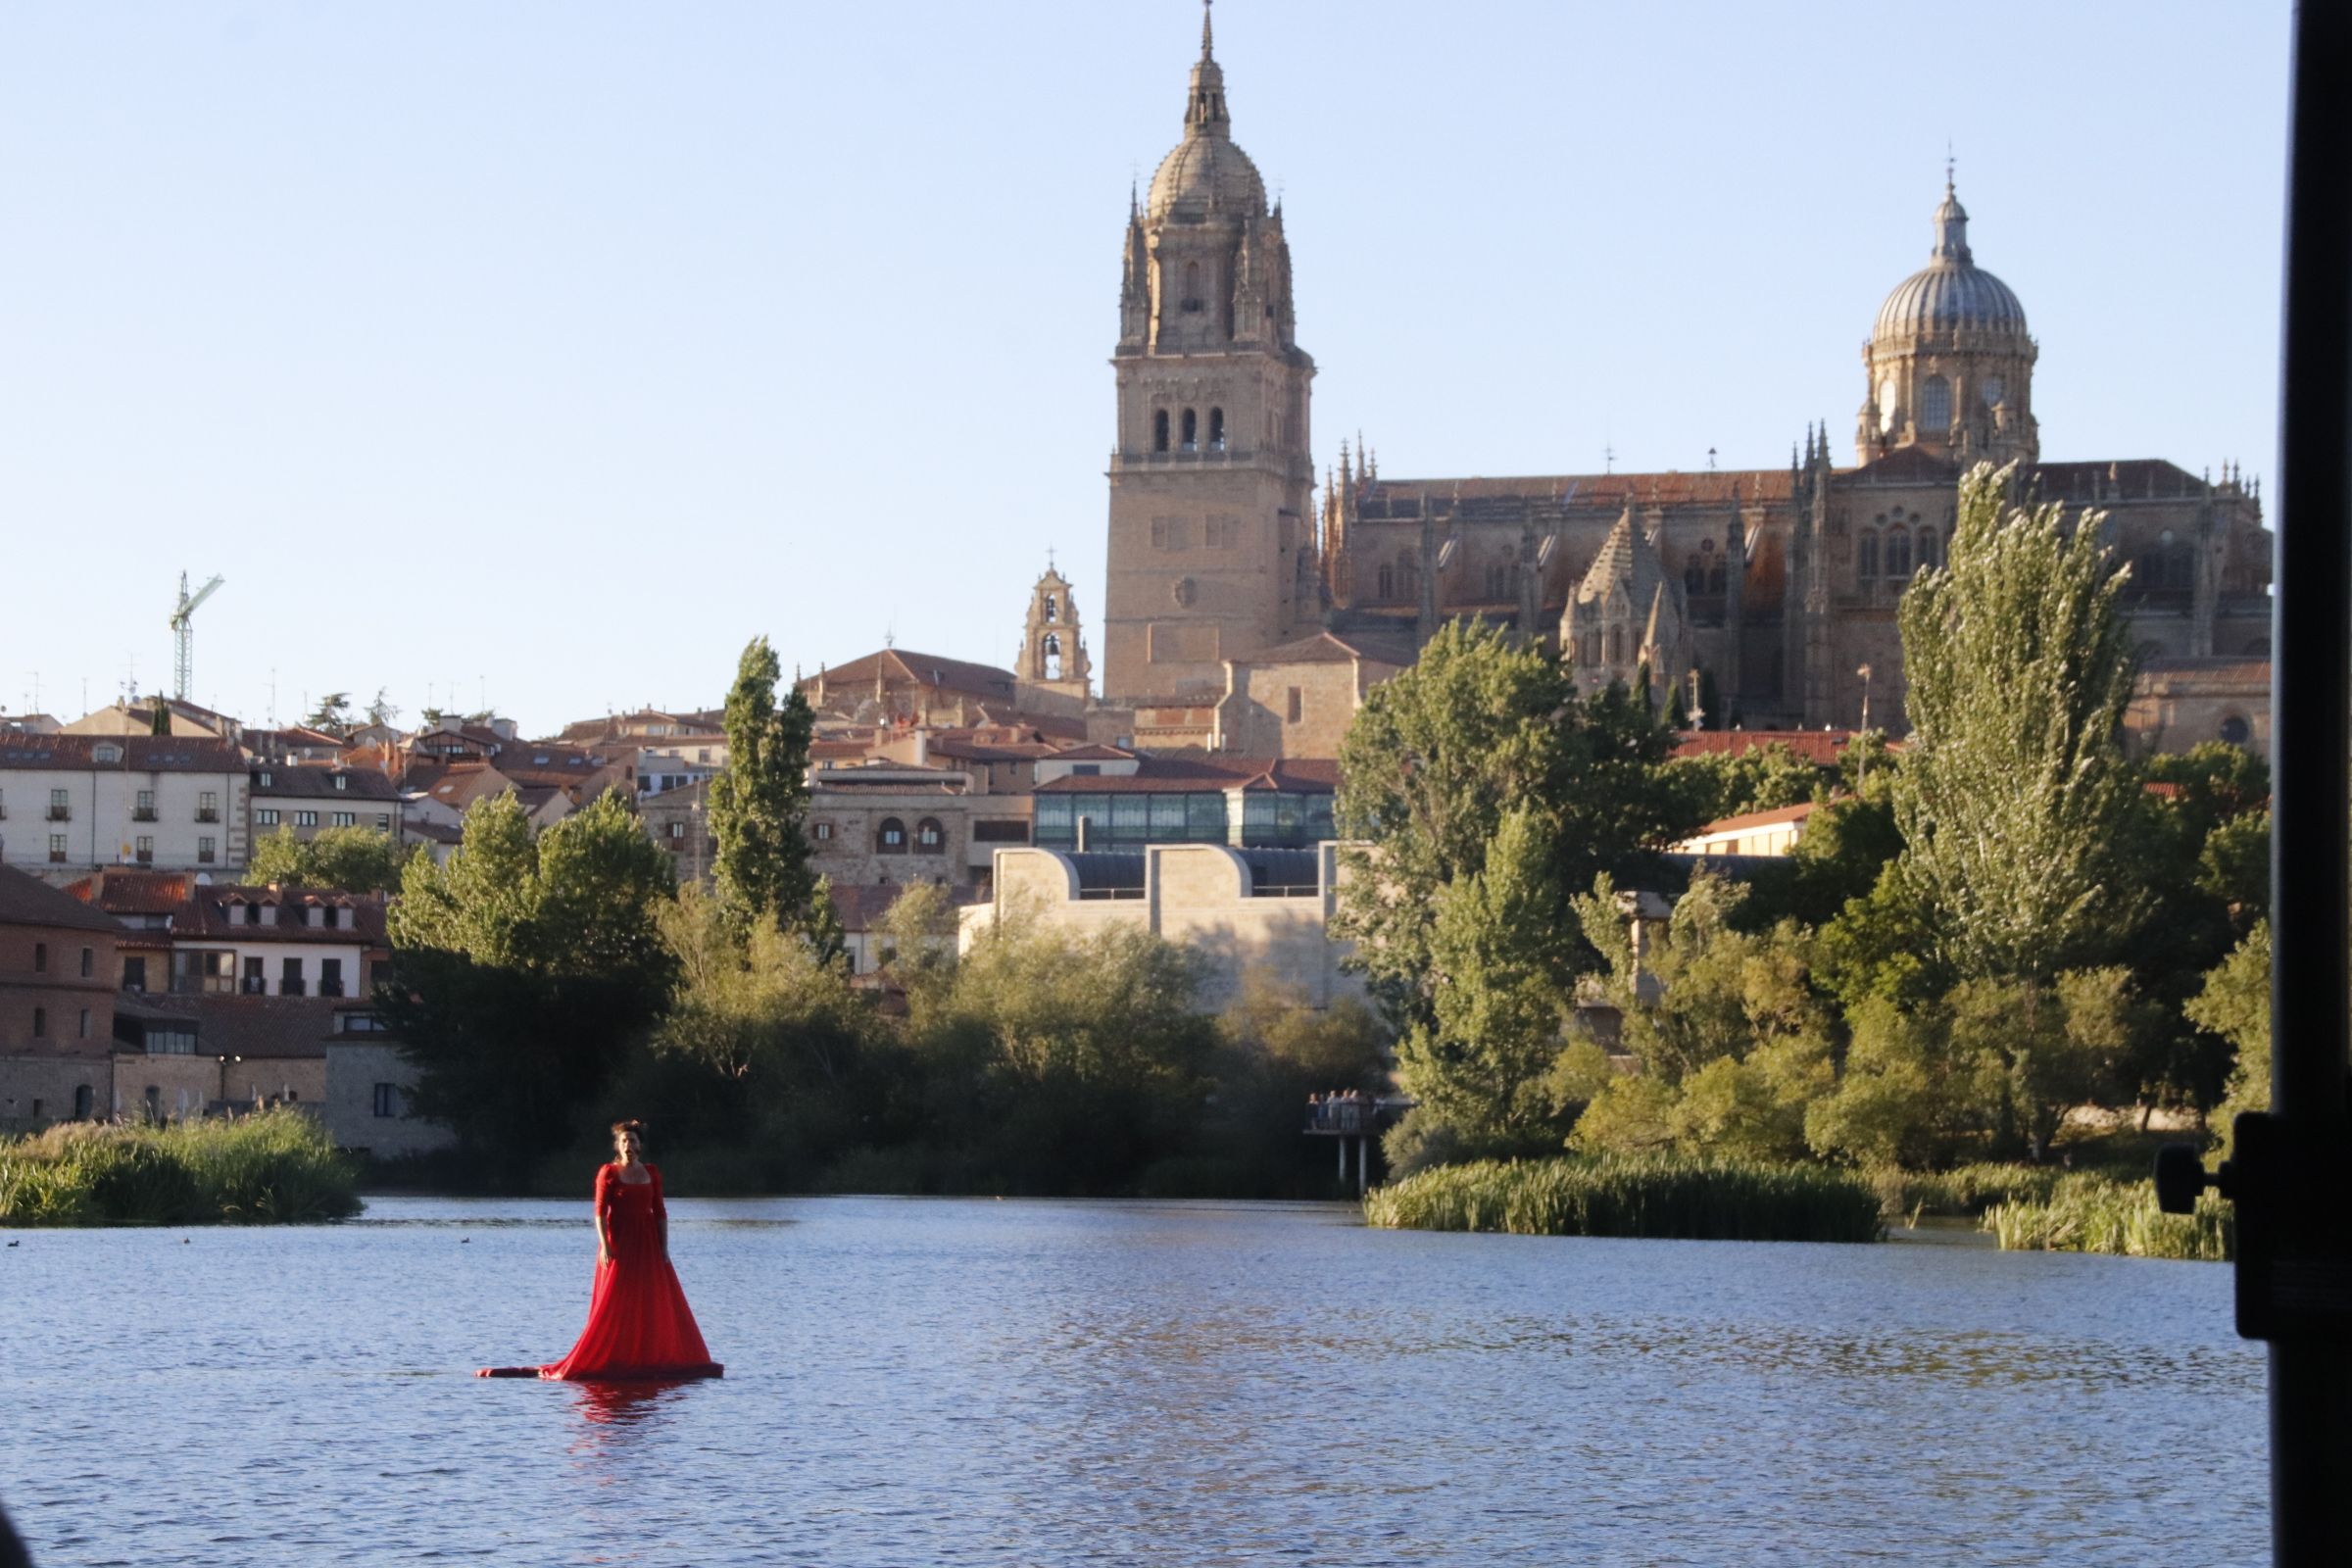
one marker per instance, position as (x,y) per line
(639,1325)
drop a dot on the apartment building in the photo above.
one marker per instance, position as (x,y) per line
(72,804)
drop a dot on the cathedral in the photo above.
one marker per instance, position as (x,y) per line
(1767,597)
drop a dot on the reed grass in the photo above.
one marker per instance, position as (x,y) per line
(1641,1196)
(1964,1189)
(277,1167)
(2090,1213)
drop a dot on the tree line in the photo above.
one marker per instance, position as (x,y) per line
(2001,921)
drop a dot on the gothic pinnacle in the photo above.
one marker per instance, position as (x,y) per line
(1207,51)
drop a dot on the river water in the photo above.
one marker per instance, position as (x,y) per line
(933,1382)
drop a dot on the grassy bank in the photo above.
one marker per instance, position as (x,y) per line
(1650,1196)
(2102,1214)
(275,1168)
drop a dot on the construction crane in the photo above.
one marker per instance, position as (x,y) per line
(183,633)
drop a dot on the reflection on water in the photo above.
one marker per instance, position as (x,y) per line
(1152,1383)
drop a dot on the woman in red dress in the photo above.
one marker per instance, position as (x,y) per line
(639,1325)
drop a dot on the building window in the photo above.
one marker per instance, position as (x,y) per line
(134,974)
(40,957)
(105,752)
(205,854)
(1216,429)
(207,806)
(346,820)
(891,837)
(1866,555)
(1936,406)
(387,1100)
(1899,553)
(289,978)
(40,1023)
(59,811)
(1160,430)
(929,836)
(824,832)
(83,1101)
(331,915)
(1297,705)
(330,977)
(2235,731)
(144,809)
(265,817)
(342,781)
(143,850)
(1192,432)
(82,1030)
(1192,286)
(305,818)
(677,830)
(383,822)
(89,962)
(57,847)
(1928,543)
(1388,582)
(1616,645)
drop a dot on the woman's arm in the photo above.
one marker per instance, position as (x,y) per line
(603,1202)
(660,1213)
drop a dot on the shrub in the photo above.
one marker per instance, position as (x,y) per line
(278,1167)
(1646,1196)
(2100,1214)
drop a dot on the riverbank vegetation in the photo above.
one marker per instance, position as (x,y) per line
(1658,1196)
(1980,939)
(1981,934)
(276,1167)
(2100,1214)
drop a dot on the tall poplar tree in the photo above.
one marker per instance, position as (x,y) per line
(759,804)
(2014,787)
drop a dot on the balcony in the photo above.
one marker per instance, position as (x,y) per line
(205,813)
(143,856)
(60,814)
(330,987)
(142,814)
(291,986)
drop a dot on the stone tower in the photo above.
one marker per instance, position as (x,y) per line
(1628,622)
(1052,653)
(1212,551)
(1950,364)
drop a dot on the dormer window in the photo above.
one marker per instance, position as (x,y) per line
(266,781)
(108,753)
(342,781)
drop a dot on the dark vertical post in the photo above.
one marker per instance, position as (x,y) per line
(2310,714)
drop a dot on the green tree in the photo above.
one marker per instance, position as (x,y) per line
(1713,785)
(524,970)
(759,804)
(2013,787)
(2235,1004)
(356,859)
(332,715)
(1480,726)
(1479,1060)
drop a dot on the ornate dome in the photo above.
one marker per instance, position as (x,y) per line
(1207,171)
(1951,292)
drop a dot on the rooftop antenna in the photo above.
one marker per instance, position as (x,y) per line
(183,633)
(1710,460)
(1608,458)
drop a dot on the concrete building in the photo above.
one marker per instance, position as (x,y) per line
(1235,910)
(306,797)
(1753,833)
(1124,800)
(178,936)
(71,804)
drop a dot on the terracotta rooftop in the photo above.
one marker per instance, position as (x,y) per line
(1204,772)
(1820,747)
(26,900)
(1736,825)
(137,754)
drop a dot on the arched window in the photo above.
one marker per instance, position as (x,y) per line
(1160,430)
(1936,406)
(1053,609)
(1499,580)
(1388,582)
(1192,285)
(891,837)
(1192,432)
(1216,429)
(82,1103)
(1866,555)
(1694,577)
(1592,647)
(1898,552)
(1408,574)
(1616,645)
(2235,730)
(1996,390)
(2181,568)
(1928,544)
(929,836)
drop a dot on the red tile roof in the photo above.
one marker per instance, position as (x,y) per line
(1820,747)
(1205,773)
(1786,813)
(26,900)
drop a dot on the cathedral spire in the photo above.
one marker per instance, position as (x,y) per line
(1952,224)
(1208,42)
(1205,113)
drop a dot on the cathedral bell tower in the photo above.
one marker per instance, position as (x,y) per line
(1212,551)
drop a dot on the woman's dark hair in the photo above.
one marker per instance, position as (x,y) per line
(631,1125)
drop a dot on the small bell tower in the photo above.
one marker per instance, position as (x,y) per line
(1052,653)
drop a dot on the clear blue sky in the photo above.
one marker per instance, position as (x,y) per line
(552,350)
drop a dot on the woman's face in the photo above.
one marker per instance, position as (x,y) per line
(628,1146)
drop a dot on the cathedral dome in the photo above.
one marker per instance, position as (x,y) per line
(1952,293)
(1207,172)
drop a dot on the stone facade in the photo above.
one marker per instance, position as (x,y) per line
(1773,588)
(1297,700)
(1235,910)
